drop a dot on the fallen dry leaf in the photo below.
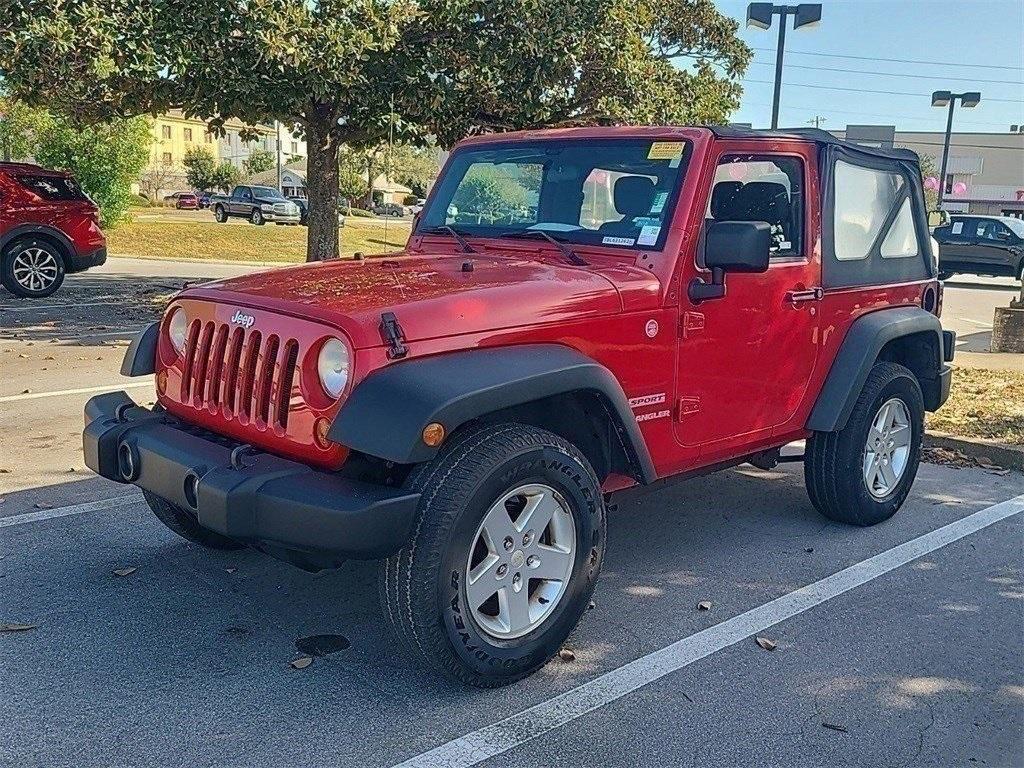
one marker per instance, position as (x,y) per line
(834,727)
(765,643)
(302,662)
(125,571)
(230,570)
(42,505)
(704,605)
(17,627)
(566,655)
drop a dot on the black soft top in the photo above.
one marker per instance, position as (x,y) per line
(818,136)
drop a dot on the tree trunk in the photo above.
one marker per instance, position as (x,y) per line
(322,147)
(371,174)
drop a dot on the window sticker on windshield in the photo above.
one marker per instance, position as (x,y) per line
(649,235)
(958,227)
(658,205)
(665,150)
(617,241)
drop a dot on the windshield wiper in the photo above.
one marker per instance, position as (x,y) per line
(445,229)
(570,255)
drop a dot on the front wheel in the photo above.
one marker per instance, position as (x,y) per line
(256,217)
(862,474)
(506,551)
(31,268)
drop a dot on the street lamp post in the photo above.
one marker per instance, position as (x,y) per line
(760,15)
(948,98)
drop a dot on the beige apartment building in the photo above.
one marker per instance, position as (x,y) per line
(989,165)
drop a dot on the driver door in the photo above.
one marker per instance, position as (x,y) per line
(745,359)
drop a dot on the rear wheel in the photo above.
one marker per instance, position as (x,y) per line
(862,474)
(186,524)
(504,557)
(32,268)
(220,214)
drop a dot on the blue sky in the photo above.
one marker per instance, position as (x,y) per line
(988,35)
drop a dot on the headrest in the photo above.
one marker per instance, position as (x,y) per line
(760,201)
(633,196)
(722,194)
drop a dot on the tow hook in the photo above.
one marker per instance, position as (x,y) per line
(238,453)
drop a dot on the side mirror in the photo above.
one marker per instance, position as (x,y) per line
(731,246)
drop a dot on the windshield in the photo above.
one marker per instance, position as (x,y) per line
(266,192)
(616,192)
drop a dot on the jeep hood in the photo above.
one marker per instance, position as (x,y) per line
(432,296)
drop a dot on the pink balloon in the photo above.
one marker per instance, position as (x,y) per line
(931,183)
(959,188)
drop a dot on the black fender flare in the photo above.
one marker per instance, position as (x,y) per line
(40,230)
(387,411)
(140,358)
(858,353)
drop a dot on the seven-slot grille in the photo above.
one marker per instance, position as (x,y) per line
(239,373)
(285,209)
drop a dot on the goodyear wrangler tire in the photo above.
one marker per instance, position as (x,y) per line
(186,525)
(861,475)
(505,553)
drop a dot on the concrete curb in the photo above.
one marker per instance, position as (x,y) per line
(1008,456)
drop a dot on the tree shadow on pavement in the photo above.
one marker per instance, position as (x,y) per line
(93,309)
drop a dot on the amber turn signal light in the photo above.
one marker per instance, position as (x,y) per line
(161,382)
(320,429)
(433,434)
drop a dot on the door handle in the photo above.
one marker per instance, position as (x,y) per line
(799,297)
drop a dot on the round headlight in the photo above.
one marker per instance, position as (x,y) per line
(333,365)
(177,329)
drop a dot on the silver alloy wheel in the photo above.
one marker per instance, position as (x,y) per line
(521,561)
(35,269)
(887,452)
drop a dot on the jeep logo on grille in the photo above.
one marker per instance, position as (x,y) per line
(246,321)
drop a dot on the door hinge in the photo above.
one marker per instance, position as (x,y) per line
(393,336)
(691,323)
(687,406)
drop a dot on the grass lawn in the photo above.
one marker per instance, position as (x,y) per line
(168,237)
(983,403)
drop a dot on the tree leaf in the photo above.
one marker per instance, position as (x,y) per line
(765,643)
(125,571)
(14,627)
(704,605)
(301,663)
(566,654)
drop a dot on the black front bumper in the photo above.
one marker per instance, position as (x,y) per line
(310,517)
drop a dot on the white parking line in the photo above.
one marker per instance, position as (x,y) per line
(77,509)
(81,391)
(496,739)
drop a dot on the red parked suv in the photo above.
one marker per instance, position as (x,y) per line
(576,312)
(48,228)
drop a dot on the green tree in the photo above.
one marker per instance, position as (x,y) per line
(488,193)
(225,176)
(258,161)
(106,158)
(19,128)
(354,72)
(200,168)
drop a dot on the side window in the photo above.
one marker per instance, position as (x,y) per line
(865,199)
(765,188)
(992,231)
(961,228)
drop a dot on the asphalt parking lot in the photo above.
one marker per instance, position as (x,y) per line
(897,645)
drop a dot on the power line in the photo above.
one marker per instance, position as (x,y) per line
(866,90)
(899,61)
(943,78)
(875,114)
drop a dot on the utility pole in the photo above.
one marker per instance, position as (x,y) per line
(277,124)
(816,121)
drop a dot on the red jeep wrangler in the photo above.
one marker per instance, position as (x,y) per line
(48,227)
(576,312)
